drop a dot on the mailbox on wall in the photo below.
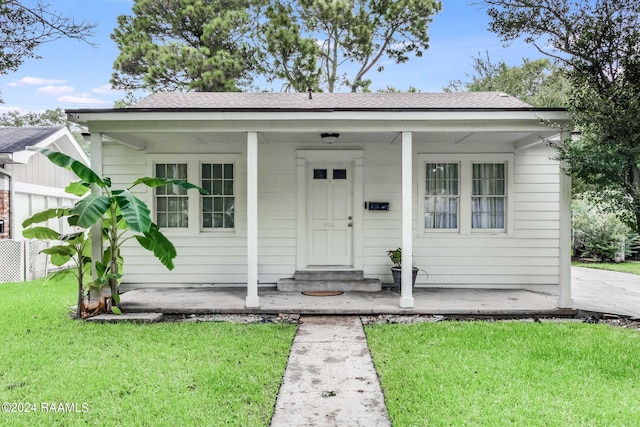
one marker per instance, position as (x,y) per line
(376,206)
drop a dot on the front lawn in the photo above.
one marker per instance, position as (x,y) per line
(508,373)
(166,374)
(632,267)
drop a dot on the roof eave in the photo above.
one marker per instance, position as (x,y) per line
(292,115)
(300,110)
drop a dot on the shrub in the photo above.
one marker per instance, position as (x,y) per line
(598,234)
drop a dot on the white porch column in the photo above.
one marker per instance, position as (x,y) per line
(564,294)
(406,295)
(96,229)
(252,299)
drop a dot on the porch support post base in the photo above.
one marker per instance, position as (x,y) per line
(252,302)
(407,302)
(564,302)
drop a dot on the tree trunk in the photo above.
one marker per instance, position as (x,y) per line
(80,301)
(634,178)
(80,293)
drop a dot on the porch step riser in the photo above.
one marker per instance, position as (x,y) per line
(293,285)
(329,275)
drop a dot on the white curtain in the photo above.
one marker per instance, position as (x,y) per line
(488,195)
(441,195)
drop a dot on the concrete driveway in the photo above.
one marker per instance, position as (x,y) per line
(605,291)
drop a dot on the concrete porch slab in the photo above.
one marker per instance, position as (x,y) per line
(441,301)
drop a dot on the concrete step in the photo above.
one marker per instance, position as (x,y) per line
(126,317)
(364,285)
(328,275)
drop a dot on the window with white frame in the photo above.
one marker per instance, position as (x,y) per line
(171,201)
(489,196)
(219,206)
(178,209)
(465,193)
(442,196)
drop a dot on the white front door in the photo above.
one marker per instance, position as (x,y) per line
(330,214)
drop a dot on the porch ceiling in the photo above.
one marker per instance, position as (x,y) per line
(142,139)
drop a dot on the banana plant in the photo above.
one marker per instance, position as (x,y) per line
(122,214)
(74,247)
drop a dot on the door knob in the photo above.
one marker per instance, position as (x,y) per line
(349,218)
(350,224)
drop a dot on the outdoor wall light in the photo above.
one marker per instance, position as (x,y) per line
(329,138)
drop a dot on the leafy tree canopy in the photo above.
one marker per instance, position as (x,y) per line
(597,42)
(55,117)
(217,45)
(392,89)
(539,82)
(329,44)
(24,28)
(186,45)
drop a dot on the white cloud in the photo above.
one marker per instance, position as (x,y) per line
(35,81)
(82,98)
(55,90)
(104,89)
(4,110)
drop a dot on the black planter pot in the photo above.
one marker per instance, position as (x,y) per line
(397,278)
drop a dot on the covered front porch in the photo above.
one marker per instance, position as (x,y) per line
(433,301)
(278,168)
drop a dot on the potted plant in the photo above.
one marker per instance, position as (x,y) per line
(396,271)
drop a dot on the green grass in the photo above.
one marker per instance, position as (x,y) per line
(508,374)
(166,374)
(632,267)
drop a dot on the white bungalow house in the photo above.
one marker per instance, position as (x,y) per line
(29,183)
(302,183)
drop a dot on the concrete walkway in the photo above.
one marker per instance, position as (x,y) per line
(330,379)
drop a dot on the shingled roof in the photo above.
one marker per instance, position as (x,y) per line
(14,139)
(226,101)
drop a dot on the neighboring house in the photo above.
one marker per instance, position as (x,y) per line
(29,182)
(300,183)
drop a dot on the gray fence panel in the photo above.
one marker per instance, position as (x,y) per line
(21,260)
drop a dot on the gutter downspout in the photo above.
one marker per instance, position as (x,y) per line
(12,197)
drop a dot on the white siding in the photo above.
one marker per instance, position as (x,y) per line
(27,204)
(211,256)
(40,185)
(530,255)
(526,255)
(40,171)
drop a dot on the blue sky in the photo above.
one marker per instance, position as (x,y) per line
(73,74)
